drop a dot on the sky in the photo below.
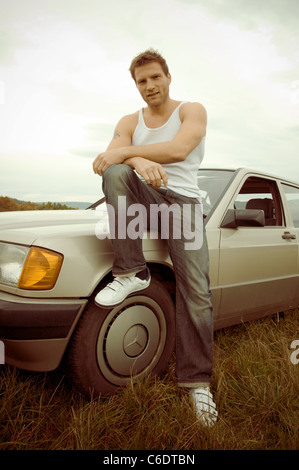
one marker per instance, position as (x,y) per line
(64,84)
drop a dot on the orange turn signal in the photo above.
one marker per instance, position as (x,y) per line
(40,270)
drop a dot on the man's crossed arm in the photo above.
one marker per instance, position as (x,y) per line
(147,160)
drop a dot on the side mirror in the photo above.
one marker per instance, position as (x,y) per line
(243,218)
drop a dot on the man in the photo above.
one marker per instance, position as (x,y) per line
(153,158)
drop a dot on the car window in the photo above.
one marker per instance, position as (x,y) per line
(260,193)
(292,195)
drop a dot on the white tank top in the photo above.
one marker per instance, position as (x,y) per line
(182,176)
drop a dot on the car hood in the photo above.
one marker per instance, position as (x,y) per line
(26,227)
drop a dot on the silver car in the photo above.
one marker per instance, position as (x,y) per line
(52,263)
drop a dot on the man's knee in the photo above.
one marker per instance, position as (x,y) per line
(116,174)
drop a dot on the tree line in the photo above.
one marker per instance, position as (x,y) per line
(9,204)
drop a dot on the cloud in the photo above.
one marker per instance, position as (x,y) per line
(64,68)
(250,15)
(97,136)
(59,177)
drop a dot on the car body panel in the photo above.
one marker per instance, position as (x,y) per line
(38,332)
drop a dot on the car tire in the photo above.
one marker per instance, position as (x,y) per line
(111,346)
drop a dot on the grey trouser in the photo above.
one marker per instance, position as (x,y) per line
(194,313)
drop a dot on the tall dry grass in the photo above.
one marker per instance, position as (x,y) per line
(255,386)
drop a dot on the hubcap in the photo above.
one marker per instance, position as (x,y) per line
(131,340)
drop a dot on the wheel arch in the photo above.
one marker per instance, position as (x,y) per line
(161,272)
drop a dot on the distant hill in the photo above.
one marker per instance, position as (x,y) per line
(77,205)
(11,204)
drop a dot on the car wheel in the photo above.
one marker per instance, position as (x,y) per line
(132,340)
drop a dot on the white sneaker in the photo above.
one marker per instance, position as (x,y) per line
(122,286)
(204,405)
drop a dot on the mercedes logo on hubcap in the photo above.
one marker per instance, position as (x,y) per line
(135,340)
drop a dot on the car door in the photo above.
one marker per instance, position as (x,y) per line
(290,192)
(258,265)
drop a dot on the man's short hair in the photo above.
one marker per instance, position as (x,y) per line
(147,57)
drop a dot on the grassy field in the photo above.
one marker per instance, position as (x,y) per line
(255,386)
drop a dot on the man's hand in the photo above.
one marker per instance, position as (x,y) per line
(152,172)
(108,158)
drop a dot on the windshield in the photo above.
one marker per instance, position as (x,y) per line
(211,184)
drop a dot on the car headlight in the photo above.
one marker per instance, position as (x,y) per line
(32,268)
(12,259)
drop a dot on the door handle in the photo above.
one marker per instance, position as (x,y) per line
(289,236)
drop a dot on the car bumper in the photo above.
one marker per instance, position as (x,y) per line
(35,332)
